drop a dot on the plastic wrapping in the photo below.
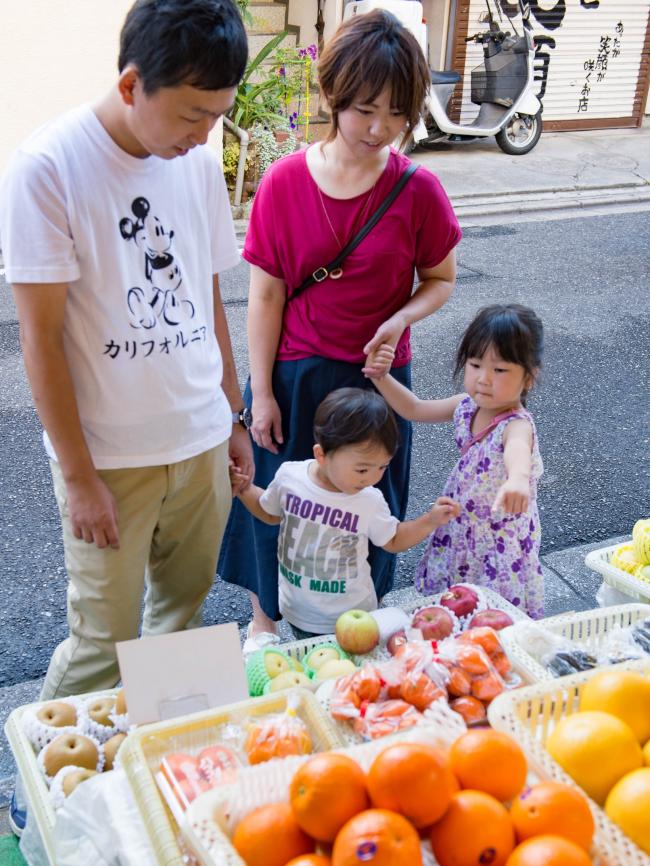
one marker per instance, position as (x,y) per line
(471,672)
(101,826)
(277,735)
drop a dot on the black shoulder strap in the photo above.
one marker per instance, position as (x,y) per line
(323,272)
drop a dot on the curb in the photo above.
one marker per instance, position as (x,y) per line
(536,203)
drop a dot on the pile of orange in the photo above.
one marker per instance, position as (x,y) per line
(471,802)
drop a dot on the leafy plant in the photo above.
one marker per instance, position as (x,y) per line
(259,102)
(268,148)
(247,18)
(231,163)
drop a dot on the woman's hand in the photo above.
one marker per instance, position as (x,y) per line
(388,332)
(266,428)
(379,362)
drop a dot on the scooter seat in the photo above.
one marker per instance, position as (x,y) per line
(444,77)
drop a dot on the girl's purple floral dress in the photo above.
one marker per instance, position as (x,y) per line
(500,552)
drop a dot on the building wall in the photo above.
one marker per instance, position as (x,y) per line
(54,55)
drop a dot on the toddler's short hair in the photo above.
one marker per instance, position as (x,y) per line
(349,416)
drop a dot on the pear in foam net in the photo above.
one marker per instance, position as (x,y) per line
(120,703)
(57,714)
(74,778)
(100,710)
(69,749)
(111,748)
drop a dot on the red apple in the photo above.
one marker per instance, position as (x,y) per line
(460,599)
(395,641)
(357,632)
(435,623)
(492,617)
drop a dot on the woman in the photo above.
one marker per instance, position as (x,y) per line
(309,205)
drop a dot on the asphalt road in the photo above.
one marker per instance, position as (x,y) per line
(587,278)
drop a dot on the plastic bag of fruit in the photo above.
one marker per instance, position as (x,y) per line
(414,675)
(277,735)
(385,717)
(471,673)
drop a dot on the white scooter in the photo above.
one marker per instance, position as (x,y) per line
(503,85)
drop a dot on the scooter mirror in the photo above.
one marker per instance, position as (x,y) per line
(484,18)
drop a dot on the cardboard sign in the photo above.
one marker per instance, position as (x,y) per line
(172,675)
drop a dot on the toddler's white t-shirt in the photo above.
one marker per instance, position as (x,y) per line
(323,546)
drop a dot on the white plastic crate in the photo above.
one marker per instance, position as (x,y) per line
(529,715)
(600,561)
(589,629)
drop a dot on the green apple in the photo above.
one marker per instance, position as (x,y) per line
(336,668)
(290,680)
(276,663)
(357,632)
(317,657)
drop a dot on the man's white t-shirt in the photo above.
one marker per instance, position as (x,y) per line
(137,241)
(323,546)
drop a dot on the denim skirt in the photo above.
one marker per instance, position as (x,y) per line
(249,548)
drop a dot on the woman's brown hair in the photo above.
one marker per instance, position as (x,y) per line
(367,54)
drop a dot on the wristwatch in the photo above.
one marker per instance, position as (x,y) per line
(243,417)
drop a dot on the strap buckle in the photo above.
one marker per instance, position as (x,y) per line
(320,274)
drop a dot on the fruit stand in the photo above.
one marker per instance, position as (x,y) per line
(447,734)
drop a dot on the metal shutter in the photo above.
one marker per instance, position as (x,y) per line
(593,59)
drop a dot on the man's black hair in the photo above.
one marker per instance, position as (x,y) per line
(351,416)
(197,42)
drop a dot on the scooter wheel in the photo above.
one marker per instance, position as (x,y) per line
(521,134)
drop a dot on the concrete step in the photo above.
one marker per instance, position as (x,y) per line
(257,41)
(538,201)
(268,17)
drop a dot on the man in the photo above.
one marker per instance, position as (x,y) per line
(114,226)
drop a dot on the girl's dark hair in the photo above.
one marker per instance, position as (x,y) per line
(367,54)
(516,333)
(349,416)
(197,42)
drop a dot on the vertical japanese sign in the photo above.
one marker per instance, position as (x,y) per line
(587,58)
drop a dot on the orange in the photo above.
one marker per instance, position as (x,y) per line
(624,694)
(380,837)
(310,860)
(475,830)
(548,851)
(413,779)
(596,749)
(327,791)
(490,761)
(552,807)
(628,804)
(270,836)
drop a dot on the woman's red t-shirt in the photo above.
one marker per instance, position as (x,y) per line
(289,236)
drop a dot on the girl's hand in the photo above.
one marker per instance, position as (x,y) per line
(379,362)
(513,496)
(443,510)
(266,428)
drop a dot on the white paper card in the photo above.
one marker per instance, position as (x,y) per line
(172,675)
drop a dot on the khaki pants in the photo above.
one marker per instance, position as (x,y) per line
(171,521)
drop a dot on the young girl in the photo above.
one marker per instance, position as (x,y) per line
(329,509)
(495,540)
